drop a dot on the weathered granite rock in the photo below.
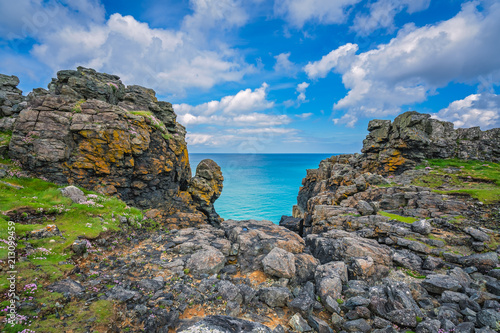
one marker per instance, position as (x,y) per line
(209,261)
(478,235)
(414,136)
(338,245)
(50,230)
(319,325)
(206,187)
(407,259)
(291,223)
(305,266)
(279,263)
(489,318)
(358,325)
(428,326)
(79,247)
(422,227)
(12,100)
(66,286)
(482,261)
(151,284)
(302,304)
(74,193)
(92,131)
(275,296)
(255,239)
(226,324)
(121,294)
(299,324)
(439,283)
(329,278)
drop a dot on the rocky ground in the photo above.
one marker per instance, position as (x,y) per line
(368,273)
(400,238)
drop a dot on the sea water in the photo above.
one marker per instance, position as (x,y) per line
(259,186)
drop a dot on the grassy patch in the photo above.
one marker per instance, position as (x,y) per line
(479,179)
(5,138)
(155,122)
(70,319)
(415,274)
(436,238)
(33,204)
(78,106)
(405,219)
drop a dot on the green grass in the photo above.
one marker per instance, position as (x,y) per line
(415,274)
(142,113)
(405,219)
(479,179)
(37,204)
(155,122)
(430,236)
(100,312)
(5,138)
(78,106)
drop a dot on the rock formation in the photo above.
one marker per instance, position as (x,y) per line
(12,100)
(90,130)
(412,137)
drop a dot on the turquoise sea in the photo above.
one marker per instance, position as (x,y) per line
(259,186)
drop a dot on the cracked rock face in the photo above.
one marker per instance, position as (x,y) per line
(90,130)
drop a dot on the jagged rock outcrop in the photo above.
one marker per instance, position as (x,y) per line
(90,130)
(402,246)
(345,185)
(412,137)
(12,100)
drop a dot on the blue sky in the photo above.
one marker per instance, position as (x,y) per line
(271,76)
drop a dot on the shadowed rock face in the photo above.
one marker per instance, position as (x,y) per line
(90,130)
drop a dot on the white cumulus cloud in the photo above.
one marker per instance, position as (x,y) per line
(481,110)
(244,101)
(301,89)
(73,33)
(321,68)
(299,12)
(416,63)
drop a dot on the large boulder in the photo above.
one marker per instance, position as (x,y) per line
(366,257)
(279,263)
(68,286)
(92,131)
(255,239)
(209,261)
(206,187)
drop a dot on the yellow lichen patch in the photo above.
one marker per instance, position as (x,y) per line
(102,167)
(119,145)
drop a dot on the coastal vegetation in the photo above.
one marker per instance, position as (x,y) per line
(35,204)
(479,179)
